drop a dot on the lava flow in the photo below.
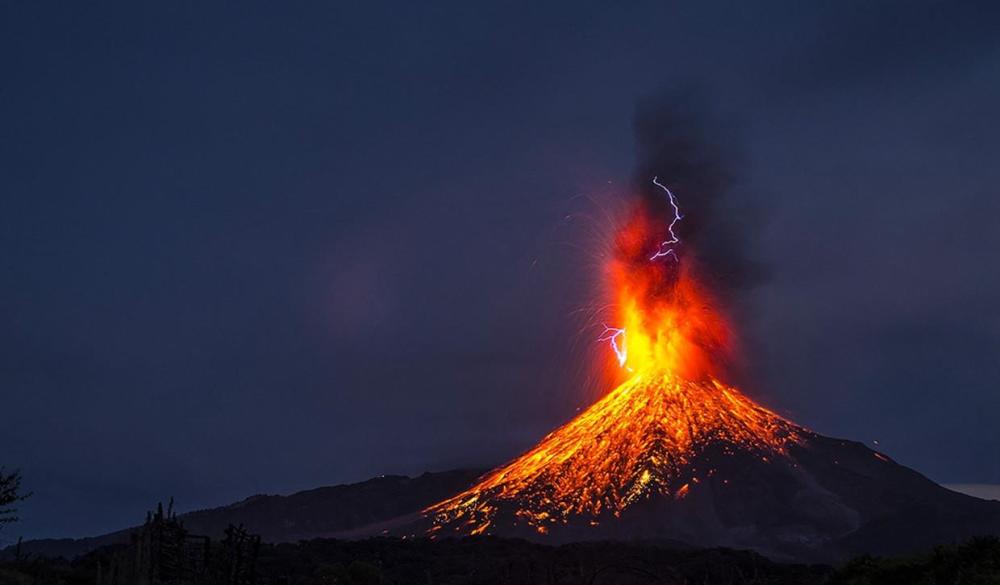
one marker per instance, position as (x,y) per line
(648,436)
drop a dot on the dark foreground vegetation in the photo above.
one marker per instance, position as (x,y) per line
(497,561)
(417,562)
(162,552)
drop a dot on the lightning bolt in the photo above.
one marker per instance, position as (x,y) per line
(612,334)
(666,248)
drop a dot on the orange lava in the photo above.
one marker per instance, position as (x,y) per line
(640,439)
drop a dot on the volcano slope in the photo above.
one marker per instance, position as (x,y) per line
(661,458)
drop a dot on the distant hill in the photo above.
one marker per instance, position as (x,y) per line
(337,511)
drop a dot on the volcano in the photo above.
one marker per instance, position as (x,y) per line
(704,465)
(674,453)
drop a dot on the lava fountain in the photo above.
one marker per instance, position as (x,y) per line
(662,430)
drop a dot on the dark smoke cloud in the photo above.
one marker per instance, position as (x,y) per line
(695,154)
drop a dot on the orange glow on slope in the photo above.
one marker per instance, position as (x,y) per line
(642,437)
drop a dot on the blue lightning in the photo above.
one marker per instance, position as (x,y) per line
(666,247)
(612,334)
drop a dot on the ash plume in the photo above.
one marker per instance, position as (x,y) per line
(694,153)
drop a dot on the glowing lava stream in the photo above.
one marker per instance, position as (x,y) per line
(634,442)
(644,437)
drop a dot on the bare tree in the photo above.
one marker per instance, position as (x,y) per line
(10,494)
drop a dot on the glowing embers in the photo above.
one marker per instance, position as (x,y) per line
(634,443)
(637,234)
(663,318)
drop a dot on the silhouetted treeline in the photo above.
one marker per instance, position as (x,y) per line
(163,551)
(160,552)
(976,562)
(508,562)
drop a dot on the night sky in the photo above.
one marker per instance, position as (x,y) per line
(258,249)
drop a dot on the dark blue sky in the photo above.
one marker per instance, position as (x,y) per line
(261,249)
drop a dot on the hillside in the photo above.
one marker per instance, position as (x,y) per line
(334,511)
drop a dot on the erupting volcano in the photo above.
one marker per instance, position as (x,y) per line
(652,434)
(674,452)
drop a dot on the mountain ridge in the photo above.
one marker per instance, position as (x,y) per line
(326,511)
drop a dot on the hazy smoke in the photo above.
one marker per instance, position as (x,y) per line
(694,154)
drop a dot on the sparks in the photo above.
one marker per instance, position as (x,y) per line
(665,248)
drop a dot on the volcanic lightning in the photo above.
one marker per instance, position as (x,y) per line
(665,249)
(612,335)
(660,432)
